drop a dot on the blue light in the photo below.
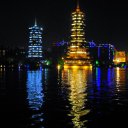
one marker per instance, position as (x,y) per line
(98,78)
(98,52)
(34,89)
(109,76)
(92,44)
(62,43)
(35,94)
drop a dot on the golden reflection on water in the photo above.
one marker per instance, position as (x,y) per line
(120,78)
(76,79)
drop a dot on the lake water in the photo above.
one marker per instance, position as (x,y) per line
(68,98)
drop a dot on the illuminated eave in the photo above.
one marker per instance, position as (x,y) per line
(78,52)
(78,41)
(74,46)
(78,23)
(76,29)
(76,35)
(77,67)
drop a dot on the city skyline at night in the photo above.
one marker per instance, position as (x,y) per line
(106,21)
(63,64)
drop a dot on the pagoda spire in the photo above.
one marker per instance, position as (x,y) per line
(78,6)
(35,22)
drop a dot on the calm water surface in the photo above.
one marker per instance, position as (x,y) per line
(68,98)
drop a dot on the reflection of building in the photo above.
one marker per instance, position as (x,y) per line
(77,51)
(34,89)
(76,79)
(35,42)
(120,78)
(120,57)
(35,94)
(103,74)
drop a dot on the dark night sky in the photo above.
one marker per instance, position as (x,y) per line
(106,21)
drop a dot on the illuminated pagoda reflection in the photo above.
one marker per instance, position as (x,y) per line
(76,79)
(35,42)
(77,52)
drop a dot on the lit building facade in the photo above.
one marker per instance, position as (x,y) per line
(120,57)
(35,42)
(77,52)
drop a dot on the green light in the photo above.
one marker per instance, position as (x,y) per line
(48,63)
(122,65)
(97,62)
(60,61)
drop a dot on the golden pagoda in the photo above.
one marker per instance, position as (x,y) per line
(77,52)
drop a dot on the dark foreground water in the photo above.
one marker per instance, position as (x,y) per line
(70,98)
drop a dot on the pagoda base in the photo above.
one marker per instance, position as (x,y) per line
(76,62)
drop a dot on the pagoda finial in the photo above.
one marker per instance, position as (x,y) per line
(78,6)
(35,22)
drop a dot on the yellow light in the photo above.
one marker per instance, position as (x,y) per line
(77,67)
(76,80)
(118,60)
(58,67)
(72,52)
(81,52)
(73,67)
(73,46)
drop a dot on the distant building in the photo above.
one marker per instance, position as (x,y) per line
(12,56)
(2,51)
(93,52)
(120,57)
(35,42)
(105,54)
(19,52)
(102,54)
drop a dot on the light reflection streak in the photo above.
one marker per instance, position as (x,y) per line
(120,78)
(77,81)
(2,79)
(110,76)
(98,78)
(35,94)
